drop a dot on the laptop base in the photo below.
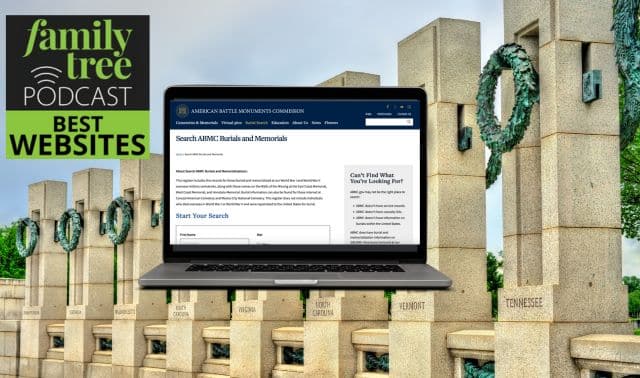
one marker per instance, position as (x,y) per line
(175,275)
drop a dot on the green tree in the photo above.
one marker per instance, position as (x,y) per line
(632,282)
(634,303)
(12,265)
(494,279)
(629,178)
(630,189)
(633,287)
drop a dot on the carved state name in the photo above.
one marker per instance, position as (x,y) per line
(323,308)
(246,309)
(411,305)
(523,302)
(181,311)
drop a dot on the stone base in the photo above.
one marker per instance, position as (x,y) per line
(98,370)
(53,368)
(419,349)
(556,303)
(131,345)
(30,367)
(124,371)
(328,350)
(186,336)
(254,353)
(79,345)
(181,374)
(34,343)
(540,349)
(9,346)
(76,369)
(147,372)
(8,366)
(294,374)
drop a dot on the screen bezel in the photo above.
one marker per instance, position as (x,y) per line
(414,253)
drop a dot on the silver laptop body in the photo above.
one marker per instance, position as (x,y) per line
(276,187)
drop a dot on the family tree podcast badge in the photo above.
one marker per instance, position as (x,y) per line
(77,87)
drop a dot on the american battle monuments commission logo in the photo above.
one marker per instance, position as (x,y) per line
(182,111)
(77,87)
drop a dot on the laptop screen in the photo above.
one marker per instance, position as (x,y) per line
(264,171)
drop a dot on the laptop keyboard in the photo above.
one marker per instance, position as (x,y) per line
(294,268)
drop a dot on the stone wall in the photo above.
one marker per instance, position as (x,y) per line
(11,303)
(11,298)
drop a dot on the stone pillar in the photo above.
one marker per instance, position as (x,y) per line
(255,314)
(46,277)
(190,312)
(141,186)
(90,271)
(332,315)
(444,59)
(352,79)
(580,290)
(521,195)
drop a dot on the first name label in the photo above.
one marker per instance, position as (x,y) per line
(77,87)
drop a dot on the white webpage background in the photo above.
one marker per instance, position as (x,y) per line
(319,154)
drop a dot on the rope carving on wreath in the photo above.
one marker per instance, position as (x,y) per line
(69,244)
(627,47)
(127,215)
(500,140)
(26,250)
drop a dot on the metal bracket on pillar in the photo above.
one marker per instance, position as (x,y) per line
(155,216)
(55,234)
(103,224)
(591,86)
(464,132)
(464,138)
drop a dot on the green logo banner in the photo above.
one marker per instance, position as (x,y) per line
(77,87)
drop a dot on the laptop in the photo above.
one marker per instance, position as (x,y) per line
(275,187)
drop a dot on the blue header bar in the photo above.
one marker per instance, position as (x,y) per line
(394,114)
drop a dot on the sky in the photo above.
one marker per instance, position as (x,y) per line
(285,42)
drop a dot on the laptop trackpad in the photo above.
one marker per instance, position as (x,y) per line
(304,279)
(295,282)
